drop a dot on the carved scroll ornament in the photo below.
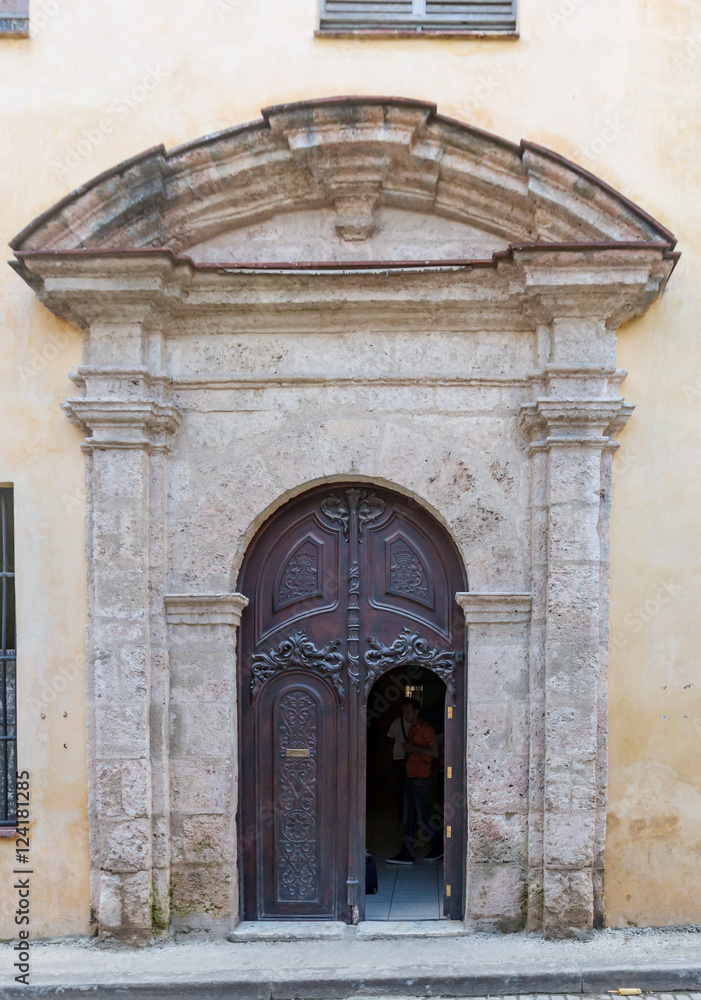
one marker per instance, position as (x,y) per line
(362,503)
(299,651)
(370,508)
(358,509)
(336,510)
(409,648)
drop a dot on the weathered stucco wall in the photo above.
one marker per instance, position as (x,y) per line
(612,84)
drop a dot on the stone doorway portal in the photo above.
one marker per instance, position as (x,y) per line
(348,289)
(345,583)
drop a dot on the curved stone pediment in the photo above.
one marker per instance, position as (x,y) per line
(342,179)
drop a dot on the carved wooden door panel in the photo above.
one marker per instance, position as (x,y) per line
(298,781)
(411,573)
(293,717)
(344,583)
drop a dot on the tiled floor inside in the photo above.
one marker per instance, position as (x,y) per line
(407,893)
(412,892)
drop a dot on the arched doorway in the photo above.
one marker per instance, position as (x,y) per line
(345,583)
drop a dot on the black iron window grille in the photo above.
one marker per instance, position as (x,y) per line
(8,664)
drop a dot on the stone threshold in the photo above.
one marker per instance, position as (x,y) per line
(325,930)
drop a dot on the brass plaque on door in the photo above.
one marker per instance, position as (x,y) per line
(298,752)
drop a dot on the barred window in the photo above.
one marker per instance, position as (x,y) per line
(14,18)
(490,16)
(8,664)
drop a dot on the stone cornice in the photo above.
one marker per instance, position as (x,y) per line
(578,422)
(139,383)
(123,423)
(389,379)
(495,609)
(604,283)
(107,377)
(204,609)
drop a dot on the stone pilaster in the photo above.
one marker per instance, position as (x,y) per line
(575,436)
(497,756)
(127,428)
(539,583)
(203,759)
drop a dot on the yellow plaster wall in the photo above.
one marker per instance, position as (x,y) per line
(613,84)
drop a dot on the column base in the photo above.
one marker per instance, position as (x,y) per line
(568,903)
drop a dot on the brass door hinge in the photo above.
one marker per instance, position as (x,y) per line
(450,712)
(449,772)
(447,890)
(449,832)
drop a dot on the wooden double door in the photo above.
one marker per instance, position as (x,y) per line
(345,583)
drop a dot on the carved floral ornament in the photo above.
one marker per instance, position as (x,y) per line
(298,651)
(297,859)
(369,508)
(408,649)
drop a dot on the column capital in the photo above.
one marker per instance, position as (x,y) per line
(123,423)
(204,609)
(495,609)
(577,422)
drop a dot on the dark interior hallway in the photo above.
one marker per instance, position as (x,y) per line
(411,892)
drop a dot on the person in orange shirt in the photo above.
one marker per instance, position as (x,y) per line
(421,748)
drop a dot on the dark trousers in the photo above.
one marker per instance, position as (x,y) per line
(423,822)
(417,812)
(399,779)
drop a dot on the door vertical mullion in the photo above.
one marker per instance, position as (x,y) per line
(355,834)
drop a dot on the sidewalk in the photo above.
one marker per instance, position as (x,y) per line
(333,962)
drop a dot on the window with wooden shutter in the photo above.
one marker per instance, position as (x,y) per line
(419,15)
(14,18)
